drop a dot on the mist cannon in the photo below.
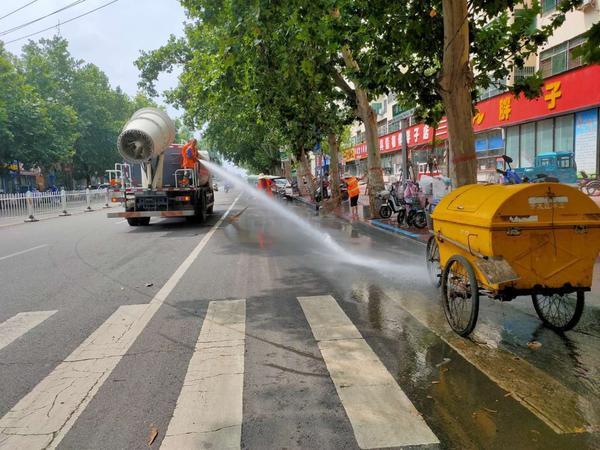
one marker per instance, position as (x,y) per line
(146,135)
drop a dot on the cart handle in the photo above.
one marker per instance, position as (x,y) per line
(468,249)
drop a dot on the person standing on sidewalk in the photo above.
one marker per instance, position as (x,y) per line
(353,193)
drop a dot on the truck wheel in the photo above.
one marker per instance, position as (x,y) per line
(133,222)
(144,221)
(209,210)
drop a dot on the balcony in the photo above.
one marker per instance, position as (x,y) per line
(522,73)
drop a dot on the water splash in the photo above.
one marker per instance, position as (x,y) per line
(319,237)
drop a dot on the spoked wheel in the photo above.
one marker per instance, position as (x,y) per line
(385,212)
(560,312)
(433,262)
(460,295)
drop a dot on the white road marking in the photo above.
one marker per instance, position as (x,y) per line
(559,407)
(120,221)
(23,252)
(42,418)
(18,325)
(209,408)
(380,413)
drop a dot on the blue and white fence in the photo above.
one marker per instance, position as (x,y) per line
(32,205)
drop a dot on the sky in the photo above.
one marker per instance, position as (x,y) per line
(111,38)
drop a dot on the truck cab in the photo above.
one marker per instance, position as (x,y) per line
(560,165)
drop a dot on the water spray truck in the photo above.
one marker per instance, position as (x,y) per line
(166,189)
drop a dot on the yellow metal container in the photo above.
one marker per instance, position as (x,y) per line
(545,235)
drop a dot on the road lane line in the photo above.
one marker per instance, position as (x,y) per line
(209,408)
(18,325)
(380,413)
(23,252)
(43,417)
(559,407)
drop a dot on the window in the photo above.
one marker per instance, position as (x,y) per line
(382,127)
(544,136)
(560,58)
(512,143)
(549,5)
(393,125)
(496,87)
(563,131)
(564,162)
(527,144)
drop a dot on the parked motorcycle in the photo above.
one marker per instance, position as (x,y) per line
(391,204)
(412,212)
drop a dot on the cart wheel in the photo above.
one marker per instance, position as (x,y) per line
(433,262)
(385,212)
(460,295)
(560,312)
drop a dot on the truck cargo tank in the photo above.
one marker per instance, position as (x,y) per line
(146,135)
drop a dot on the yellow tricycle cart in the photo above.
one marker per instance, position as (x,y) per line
(504,241)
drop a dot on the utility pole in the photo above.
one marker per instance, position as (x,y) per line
(404,125)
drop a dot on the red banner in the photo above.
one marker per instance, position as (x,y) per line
(573,90)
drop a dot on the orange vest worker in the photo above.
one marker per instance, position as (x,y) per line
(353,189)
(189,155)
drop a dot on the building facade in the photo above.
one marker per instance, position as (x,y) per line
(564,118)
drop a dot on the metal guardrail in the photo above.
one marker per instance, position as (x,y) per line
(30,205)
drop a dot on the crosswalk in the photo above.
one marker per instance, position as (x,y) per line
(209,408)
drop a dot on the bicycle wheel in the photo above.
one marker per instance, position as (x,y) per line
(420,219)
(560,312)
(592,188)
(385,212)
(433,262)
(460,295)
(401,216)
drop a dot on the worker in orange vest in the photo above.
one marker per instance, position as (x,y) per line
(264,184)
(189,154)
(353,192)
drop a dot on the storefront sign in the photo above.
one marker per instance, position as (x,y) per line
(560,94)
(348,154)
(419,134)
(586,136)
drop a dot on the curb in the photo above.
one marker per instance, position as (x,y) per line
(373,224)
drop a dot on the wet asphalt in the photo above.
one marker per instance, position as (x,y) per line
(465,389)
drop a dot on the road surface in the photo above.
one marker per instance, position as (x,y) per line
(246,332)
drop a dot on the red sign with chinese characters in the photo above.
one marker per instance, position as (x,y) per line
(419,134)
(574,90)
(577,89)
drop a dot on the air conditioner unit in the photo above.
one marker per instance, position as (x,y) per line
(587,4)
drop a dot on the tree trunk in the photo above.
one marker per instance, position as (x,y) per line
(455,88)
(369,118)
(307,173)
(336,195)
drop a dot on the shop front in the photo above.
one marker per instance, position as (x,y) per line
(563,118)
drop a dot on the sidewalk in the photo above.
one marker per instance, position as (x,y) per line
(390,225)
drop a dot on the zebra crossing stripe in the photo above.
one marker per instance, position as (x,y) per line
(208,413)
(18,325)
(380,413)
(42,418)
